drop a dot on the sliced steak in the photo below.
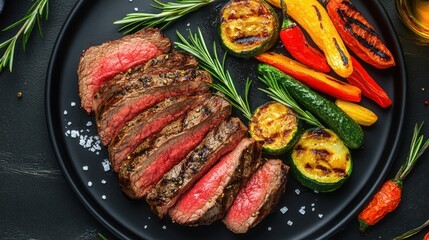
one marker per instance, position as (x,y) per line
(148,123)
(214,193)
(101,63)
(146,169)
(183,176)
(258,197)
(124,107)
(164,63)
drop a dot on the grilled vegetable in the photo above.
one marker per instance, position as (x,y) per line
(311,15)
(388,197)
(320,160)
(358,34)
(312,78)
(248,27)
(358,113)
(294,41)
(369,87)
(338,121)
(276,126)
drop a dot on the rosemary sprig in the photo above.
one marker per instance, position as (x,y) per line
(417,148)
(38,10)
(197,47)
(281,95)
(170,12)
(412,232)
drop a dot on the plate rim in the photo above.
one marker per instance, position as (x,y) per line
(117,228)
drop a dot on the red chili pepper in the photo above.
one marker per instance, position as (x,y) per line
(294,41)
(358,34)
(369,87)
(388,197)
(426,237)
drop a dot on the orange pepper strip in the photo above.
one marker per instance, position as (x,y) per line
(312,78)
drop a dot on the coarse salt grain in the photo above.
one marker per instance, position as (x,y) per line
(136,9)
(297,191)
(315,191)
(65,112)
(164,227)
(89,184)
(289,222)
(189,24)
(312,209)
(320,215)
(69,123)
(283,210)
(85,168)
(106,165)
(103,181)
(74,134)
(313,204)
(72,104)
(269,228)
(104,197)
(302,211)
(89,124)
(145,227)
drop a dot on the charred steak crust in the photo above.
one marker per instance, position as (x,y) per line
(258,197)
(146,169)
(125,107)
(149,123)
(101,63)
(214,193)
(164,63)
(183,176)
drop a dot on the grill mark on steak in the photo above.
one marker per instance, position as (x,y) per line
(182,177)
(125,107)
(258,197)
(149,165)
(101,63)
(149,123)
(214,193)
(164,63)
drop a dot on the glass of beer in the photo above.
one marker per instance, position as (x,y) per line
(415,14)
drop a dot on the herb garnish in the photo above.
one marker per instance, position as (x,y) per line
(170,12)
(281,95)
(197,47)
(38,10)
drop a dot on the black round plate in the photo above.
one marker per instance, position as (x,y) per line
(300,214)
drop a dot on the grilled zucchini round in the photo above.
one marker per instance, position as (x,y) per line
(276,126)
(248,27)
(320,160)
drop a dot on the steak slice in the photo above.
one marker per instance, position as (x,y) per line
(101,63)
(146,169)
(147,124)
(258,197)
(124,107)
(161,64)
(214,193)
(183,176)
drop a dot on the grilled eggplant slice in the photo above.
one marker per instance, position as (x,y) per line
(276,126)
(320,160)
(248,27)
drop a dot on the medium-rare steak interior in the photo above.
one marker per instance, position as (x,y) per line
(214,193)
(171,139)
(99,64)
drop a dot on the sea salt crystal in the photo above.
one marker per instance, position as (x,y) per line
(89,124)
(69,123)
(289,222)
(269,228)
(106,165)
(297,191)
(74,134)
(85,168)
(89,184)
(302,211)
(320,215)
(313,204)
(131,0)
(188,24)
(164,227)
(103,181)
(312,209)
(315,191)
(283,210)
(67,133)
(104,197)
(145,227)
(65,112)
(72,104)
(136,9)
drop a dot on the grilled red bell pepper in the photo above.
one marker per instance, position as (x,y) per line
(358,34)
(312,78)
(369,87)
(294,41)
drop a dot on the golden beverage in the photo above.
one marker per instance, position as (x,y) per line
(415,14)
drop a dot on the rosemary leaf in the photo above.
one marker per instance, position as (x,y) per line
(170,12)
(412,232)
(33,15)
(280,94)
(196,46)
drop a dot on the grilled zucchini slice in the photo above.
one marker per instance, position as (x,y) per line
(248,27)
(320,160)
(276,126)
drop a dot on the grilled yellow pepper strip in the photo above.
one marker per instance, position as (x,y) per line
(311,15)
(360,114)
